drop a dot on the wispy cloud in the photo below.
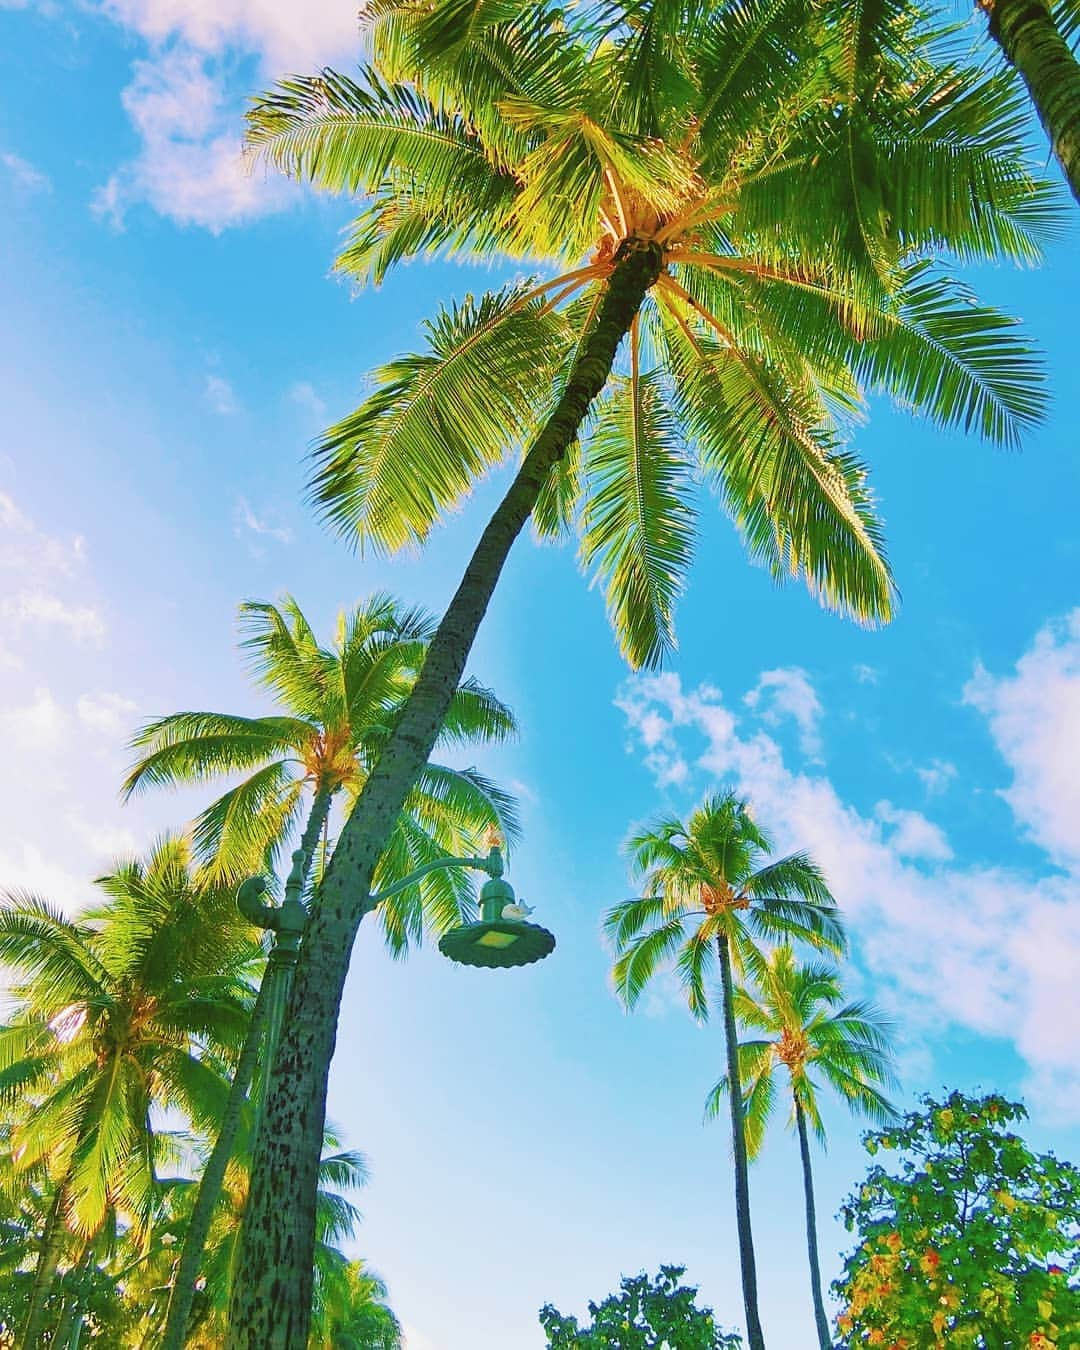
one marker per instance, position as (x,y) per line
(1034,717)
(249,523)
(788,694)
(39,572)
(221,396)
(186,98)
(986,948)
(936,776)
(107,712)
(304,396)
(27,179)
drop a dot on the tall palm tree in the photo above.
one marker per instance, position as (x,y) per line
(1038,39)
(710,895)
(754,201)
(355,1314)
(338,705)
(807,1027)
(129,1009)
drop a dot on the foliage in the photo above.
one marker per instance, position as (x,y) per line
(708,879)
(816,1036)
(649,1313)
(806,184)
(971,1240)
(338,706)
(353,1313)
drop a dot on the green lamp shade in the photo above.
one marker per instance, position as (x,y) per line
(497,943)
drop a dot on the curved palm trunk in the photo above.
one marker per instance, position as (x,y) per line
(52,1244)
(1032,43)
(271,1302)
(820,1319)
(213,1177)
(747,1264)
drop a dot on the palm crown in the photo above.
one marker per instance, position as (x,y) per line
(139,1004)
(339,707)
(707,883)
(807,1027)
(794,178)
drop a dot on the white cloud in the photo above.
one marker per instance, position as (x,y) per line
(985,948)
(30,870)
(221,396)
(34,565)
(866,674)
(304,396)
(27,179)
(104,841)
(936,776)
(44,610)
(416,1340)
(108,713)
(37,726)
(1034,718)
(187,97)
(913,836)
(248,521)
(191,166)
(784,693)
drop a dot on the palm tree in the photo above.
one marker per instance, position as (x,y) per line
(809,1029)
(355,1314)
(131,1008)
(754,201)
(709,894)
(338,707)
(1038,39)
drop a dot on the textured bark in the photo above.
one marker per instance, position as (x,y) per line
(820,1319)
(1031,42)
(213,1177)
(747,1264)
(52,1244)
(271,1302)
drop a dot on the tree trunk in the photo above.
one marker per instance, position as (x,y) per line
(52,1244)
(271,1303)
(213,1177)
(747,1263)
(1028,36)
(822,1321)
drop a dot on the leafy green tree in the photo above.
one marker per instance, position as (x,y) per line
(969,1240)
(354,1313)
(753,202)
(647,1314)
(710,896)
(136,1006)
(808,1029)
(1038,39)
(338,706)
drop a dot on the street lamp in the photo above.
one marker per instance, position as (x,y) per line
(502,937)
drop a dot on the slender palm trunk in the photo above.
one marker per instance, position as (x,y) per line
(71,1309)
(52,1244)
(213,1177)
(271,1302)
(747,1264)
(1032,43)
(821,1320)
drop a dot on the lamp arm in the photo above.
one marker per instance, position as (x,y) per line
(492,865)
(251,907)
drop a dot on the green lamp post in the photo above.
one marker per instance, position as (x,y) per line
(502,936)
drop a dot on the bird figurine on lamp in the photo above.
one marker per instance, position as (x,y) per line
(517,912)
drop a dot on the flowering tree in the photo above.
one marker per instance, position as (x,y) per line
(972,1241)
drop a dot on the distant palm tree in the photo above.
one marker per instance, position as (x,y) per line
(137,1005)
(752,207)
(710,895)
(339,706)
(354,1314)
(810,1030)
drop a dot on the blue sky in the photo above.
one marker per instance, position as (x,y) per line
(170,343)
